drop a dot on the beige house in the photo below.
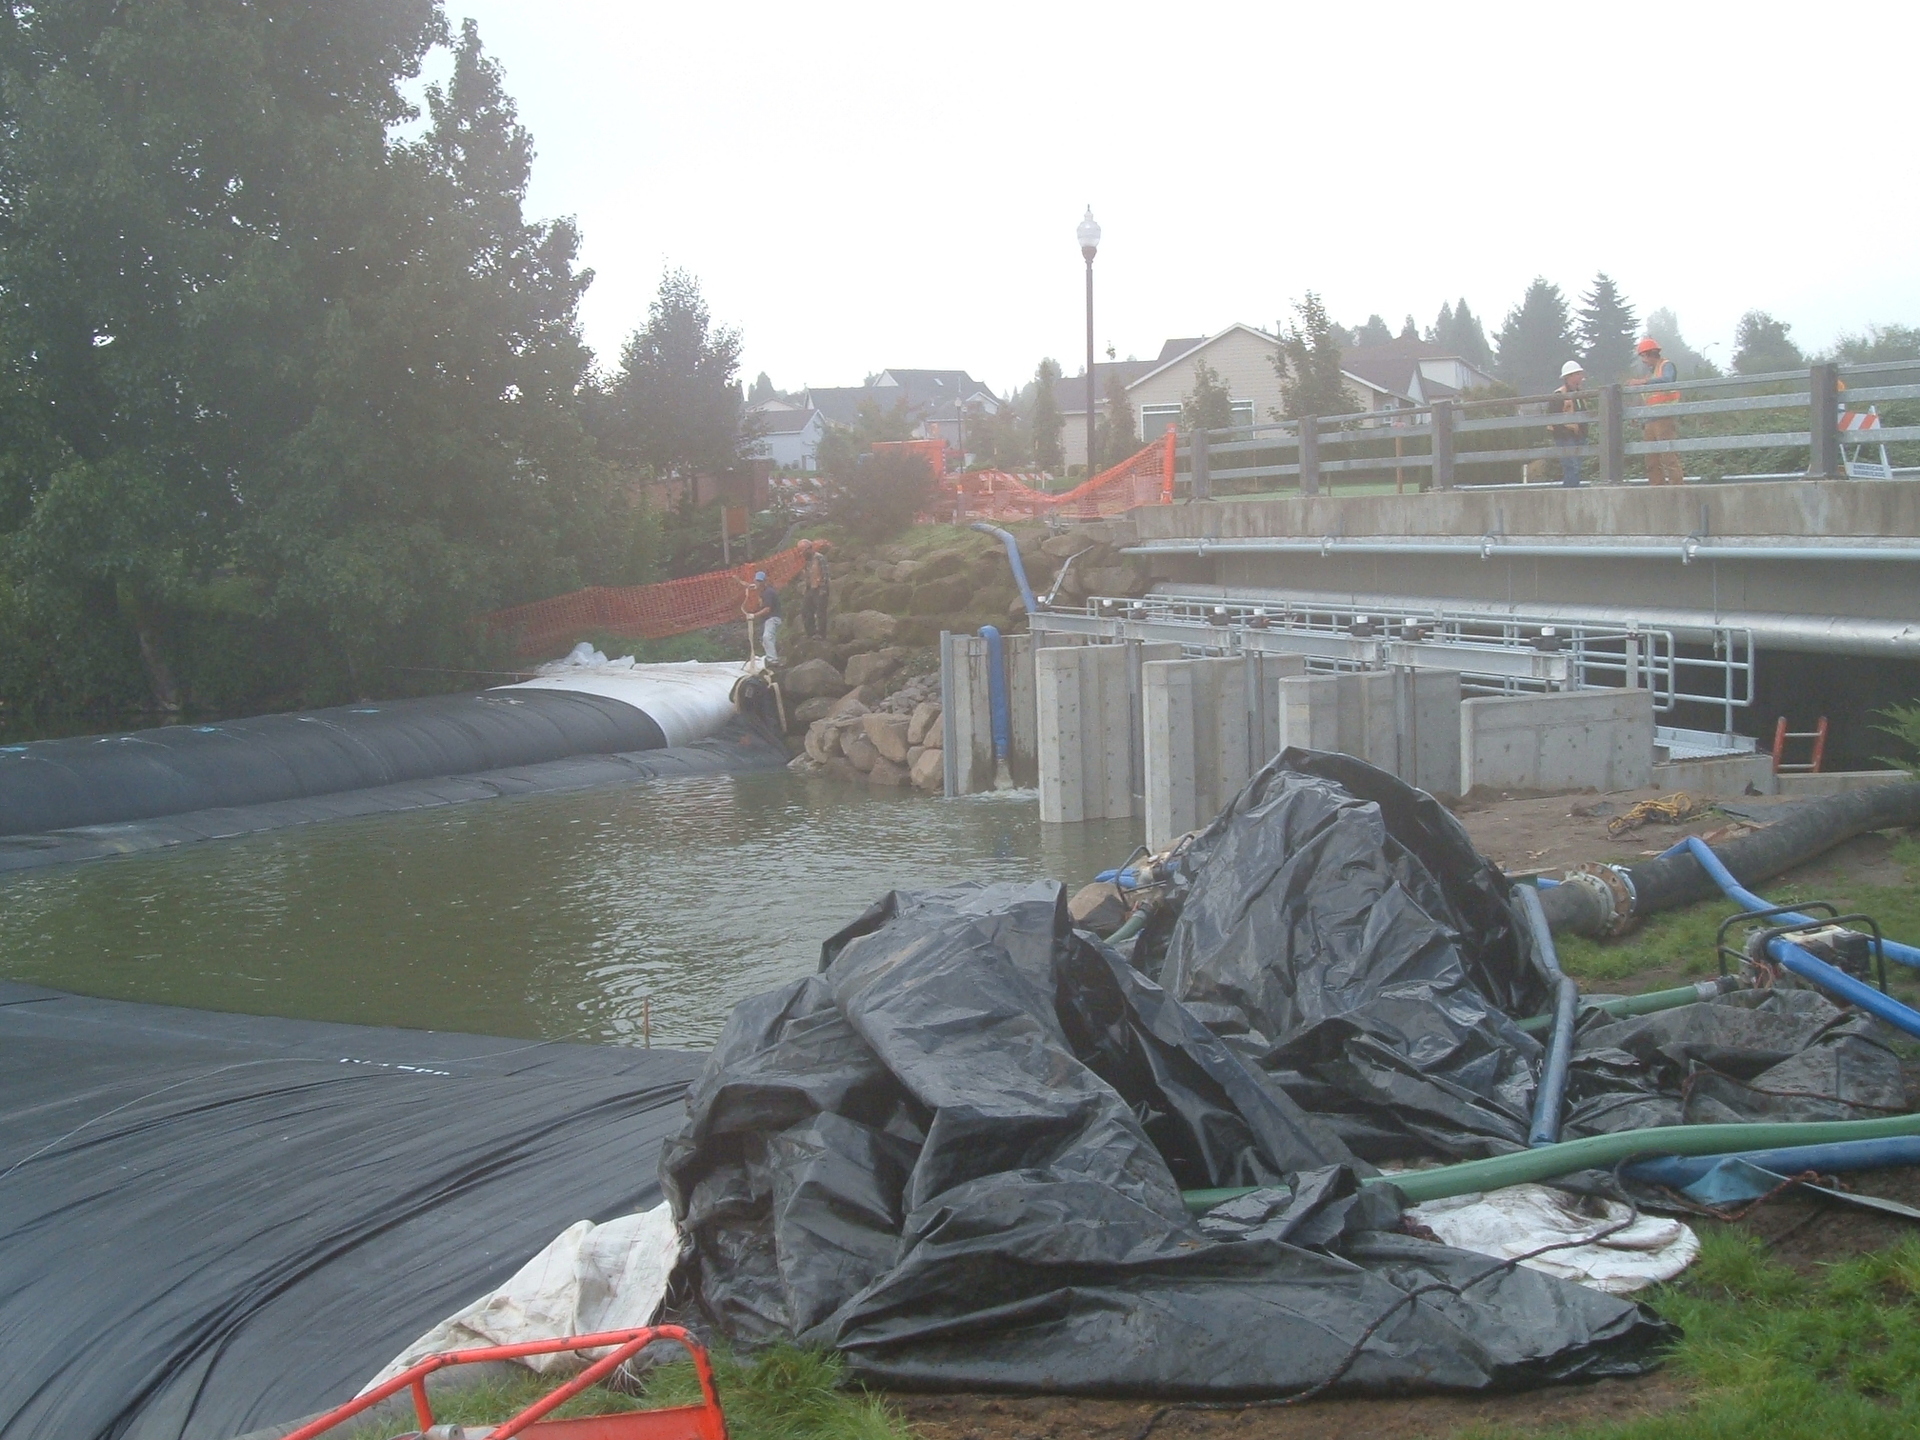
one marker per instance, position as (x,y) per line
(1385,377)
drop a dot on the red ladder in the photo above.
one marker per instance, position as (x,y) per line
(1781,735)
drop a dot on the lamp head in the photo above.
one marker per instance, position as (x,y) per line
(1089,233)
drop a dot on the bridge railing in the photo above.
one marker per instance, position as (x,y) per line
(1801,422)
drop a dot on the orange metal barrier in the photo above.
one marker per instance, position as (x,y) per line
(680,1422)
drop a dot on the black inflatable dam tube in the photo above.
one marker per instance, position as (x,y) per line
(104,779)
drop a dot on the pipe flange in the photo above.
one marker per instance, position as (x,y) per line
(1614,888)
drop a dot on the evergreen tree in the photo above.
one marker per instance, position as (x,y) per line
(1209,405)
(674,405)
(1663,326)
(1117,436)
(1442,325)
(1762,344)
(1308,363)
(1409,330)
(1044,422)
(1535,340)
(1457,331)
(762,389)
(1607,331)
(1374,332)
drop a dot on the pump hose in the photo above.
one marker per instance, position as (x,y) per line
(1602,1152)
(1801,833)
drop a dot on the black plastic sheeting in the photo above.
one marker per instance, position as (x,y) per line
(101,779)
(212,1223)
(956,1156)
(1341,933)
(742,745)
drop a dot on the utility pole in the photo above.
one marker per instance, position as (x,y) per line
(1089,234)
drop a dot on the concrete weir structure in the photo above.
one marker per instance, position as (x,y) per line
(1506,637)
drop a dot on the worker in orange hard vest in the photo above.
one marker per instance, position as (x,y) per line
(1663,466)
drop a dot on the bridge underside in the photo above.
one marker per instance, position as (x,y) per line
(1824,575)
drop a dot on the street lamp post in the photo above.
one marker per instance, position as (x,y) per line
(1089,233)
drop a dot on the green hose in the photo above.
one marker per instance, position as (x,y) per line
(1602,1152)
(1625,1005)
(1129,927)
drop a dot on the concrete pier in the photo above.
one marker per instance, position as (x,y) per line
(1089,731)
(966,713)
(1587,739)
(1405,721)
(1208,724)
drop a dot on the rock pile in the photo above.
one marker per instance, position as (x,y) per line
(893,742)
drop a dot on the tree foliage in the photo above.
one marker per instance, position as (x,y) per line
(1044,421)
(1209,405)
(882,494)
(1762,344)
(1606,330)
(1457,330)
(674,407)
(288,398)
(1878,342)
(1117,435)
(1374,332)
(1535,340)
(1664,326)
(1308,362)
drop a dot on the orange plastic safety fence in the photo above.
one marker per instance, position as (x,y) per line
(1143,478)
(637,612)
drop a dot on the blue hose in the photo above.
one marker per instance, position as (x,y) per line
(1013,559)
(1679,1171)
(1740,895)
(1550,1098)
(1794,958)
(997,693)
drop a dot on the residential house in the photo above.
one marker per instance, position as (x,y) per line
(790,435)
(937,402)
(1405,373)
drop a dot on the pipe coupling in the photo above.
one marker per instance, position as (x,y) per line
(1612,886)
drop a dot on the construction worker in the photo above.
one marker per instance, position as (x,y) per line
(1569,438)
(814,583)
(1663,466)
(762,603)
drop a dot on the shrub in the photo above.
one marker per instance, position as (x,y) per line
(882,494)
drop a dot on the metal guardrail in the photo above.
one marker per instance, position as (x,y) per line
(1437,440)
(1503,655)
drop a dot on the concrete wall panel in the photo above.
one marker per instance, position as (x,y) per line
(1585,740)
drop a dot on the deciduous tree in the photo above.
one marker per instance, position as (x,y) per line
(1762,344)
(1308,362)
(1209,405)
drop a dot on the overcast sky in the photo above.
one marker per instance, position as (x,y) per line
(863,185)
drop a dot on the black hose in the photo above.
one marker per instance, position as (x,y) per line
(1800,834)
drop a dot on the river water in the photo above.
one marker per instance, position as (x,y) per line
(548,916)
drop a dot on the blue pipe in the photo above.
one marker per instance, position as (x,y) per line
(1740,895)
(1797,960)
(997,693)
(1679,1171)
(1013,559)
(1550,1098)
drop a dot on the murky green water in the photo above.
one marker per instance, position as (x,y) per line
(546,916)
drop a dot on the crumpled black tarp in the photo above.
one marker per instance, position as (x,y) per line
(1344,935)
(955,1155)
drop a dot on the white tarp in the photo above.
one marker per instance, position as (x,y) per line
(689,699)
(590,1278)
(1523,1218)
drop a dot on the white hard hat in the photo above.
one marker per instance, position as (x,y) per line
(1572,367)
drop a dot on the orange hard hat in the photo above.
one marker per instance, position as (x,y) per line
(1647,342)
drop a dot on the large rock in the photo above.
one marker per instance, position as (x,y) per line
(864,627)
(812,679)
(929,771)
(1099,907)
(946,562)
(886,772)
(888,734)
(858,749)
(873,666)
(942,596)
(823,741)
(1059,547)
(1113,580)
(849,704)
(925,716)
(809,711)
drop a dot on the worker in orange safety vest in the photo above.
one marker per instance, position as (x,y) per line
(1663,466)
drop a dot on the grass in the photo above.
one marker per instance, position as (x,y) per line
(784,1393)
(1679,945)
(1789,1357)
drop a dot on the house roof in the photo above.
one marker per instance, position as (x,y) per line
(1394,368)
(923,394)
(1174,349)
(1070,392)
(785,421)
(1170,356)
